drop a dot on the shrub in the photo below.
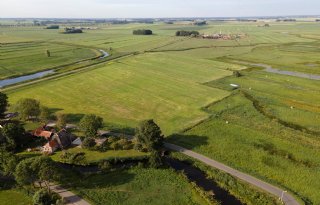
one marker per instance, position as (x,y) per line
(155,160)
(187,33)
(88,143)
(43,197)
(236,74)
(142,32)
(53,27)
(112,139)
(73,158)
(72,30)
(105,166)
(90,125)
(28,108)
(125,144)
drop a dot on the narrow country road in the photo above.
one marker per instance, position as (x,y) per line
(287,198)
(68,196)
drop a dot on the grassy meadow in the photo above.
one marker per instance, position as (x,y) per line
(138,186)
(93,157)
(9,197)
(29,57)
(185,83)
(154,85)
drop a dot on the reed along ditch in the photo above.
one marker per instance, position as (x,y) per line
(197,176)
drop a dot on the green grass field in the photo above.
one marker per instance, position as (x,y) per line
(138,186)
(146,86)
(93,157)
(23,58)
(9,197)
(172,80)
(241,137)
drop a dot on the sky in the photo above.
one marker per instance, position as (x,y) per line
(155,8)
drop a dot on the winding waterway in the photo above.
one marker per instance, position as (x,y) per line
(270,69)
(198,177)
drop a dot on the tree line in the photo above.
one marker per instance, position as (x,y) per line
(142,32)
(187,33)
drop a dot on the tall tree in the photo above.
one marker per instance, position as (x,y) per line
(3,103)
(48,53)
(149,136)
(27,108)
(90,125)
(8,162)
(61,120)
(13,136)
(44,114)
(31,170)
(25,173)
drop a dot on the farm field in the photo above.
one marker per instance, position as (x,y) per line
(164,81)
(138,186)
(237,131)
(9,197)
(268,128)
(93,157)
(18,59)
(291,99)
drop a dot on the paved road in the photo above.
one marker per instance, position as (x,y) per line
(287,198)
(68,196)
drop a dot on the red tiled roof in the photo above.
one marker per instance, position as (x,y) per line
(53,143)
(40,132)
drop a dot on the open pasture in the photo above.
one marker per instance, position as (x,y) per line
(9,197)
(291,99)
(138,186)
(22,58)
(167,88)
(238,135)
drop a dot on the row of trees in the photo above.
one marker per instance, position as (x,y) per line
(142,32)
(72,30)
(187,33)
(35,171)
(53,27)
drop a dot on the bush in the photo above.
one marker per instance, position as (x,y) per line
(125,144)
(72,30)
(43,197)
(105,166)
(155,160)
(88,143)
(187,33)
(105,146)
(53,27)
(236,74)
(90,125)
(142,32)
(73,158)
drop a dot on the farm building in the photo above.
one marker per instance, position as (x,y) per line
(56,140)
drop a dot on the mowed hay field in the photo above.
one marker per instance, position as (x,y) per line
(138,186)
(9,197)
(291,99)
(172,80)
(167,88)
(22,58)
(241,134)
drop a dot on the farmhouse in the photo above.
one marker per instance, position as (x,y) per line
(61,139)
